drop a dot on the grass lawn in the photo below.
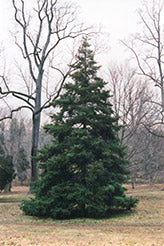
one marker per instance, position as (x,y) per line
(143,227)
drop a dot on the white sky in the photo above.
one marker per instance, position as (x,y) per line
(118,17)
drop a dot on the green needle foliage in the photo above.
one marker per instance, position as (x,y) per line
(7,173)
(84,168)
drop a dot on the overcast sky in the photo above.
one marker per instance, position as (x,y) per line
(118,17)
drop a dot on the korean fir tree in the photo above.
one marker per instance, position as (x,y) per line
(84,168)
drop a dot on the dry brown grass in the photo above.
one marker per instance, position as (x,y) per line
(143,227)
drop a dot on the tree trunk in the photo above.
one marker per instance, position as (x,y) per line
(150,180)
(7,188)
(35,131)
(34,147)
(133,182)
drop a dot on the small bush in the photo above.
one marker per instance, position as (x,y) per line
(7,173)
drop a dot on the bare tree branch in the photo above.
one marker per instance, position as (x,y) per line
(13,111)
(149,56)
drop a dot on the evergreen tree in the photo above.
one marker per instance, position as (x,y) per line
(22,164)
(17,150)
(7,173)
(84,168)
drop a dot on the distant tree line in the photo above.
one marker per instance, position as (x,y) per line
(15,145)
(13,148)
(141,132)
(132,104)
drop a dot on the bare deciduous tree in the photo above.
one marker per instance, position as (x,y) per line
(132,99)
(132,102)
(151,158)
(44,26)
(148,47)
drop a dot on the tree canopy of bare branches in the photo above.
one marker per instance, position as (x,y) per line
(44,25)
(132,102)
(147,46)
